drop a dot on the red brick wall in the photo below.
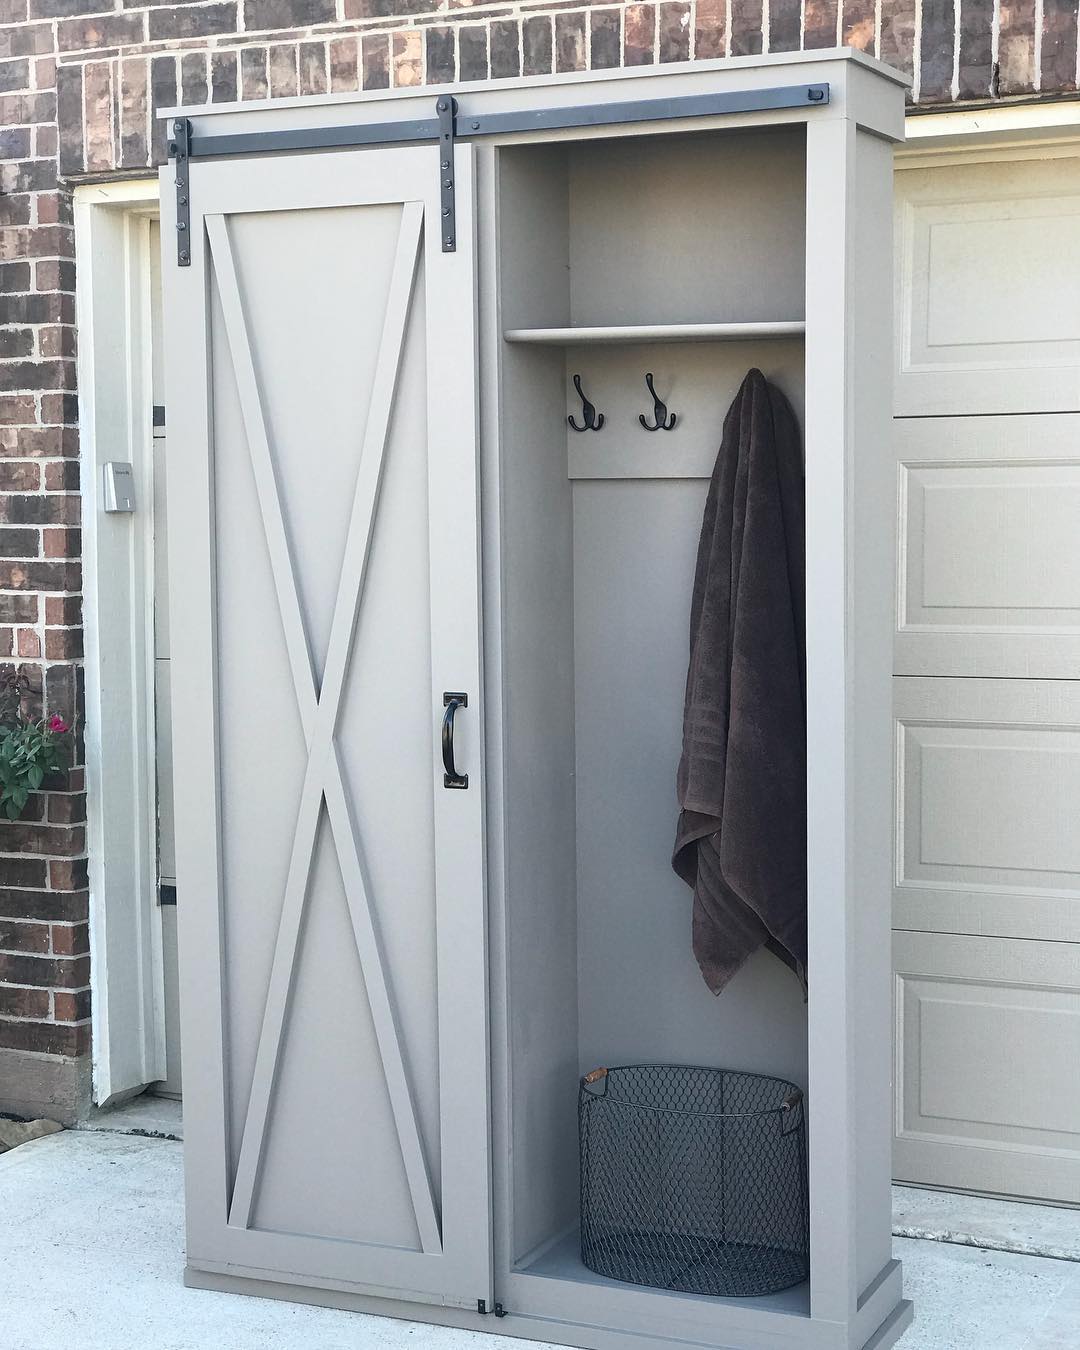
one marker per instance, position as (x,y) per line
(44,962)
(119,58)
(79,80)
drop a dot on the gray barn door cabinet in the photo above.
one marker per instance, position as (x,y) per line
(399,954)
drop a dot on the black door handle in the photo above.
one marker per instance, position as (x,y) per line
(451,777)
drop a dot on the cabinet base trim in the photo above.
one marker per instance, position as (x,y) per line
(818,1336)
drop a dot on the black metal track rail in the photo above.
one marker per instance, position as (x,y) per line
(450,124)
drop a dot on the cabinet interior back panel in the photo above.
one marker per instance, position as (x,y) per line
(688,229)
(641,996)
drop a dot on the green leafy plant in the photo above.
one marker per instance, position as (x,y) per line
(31,748)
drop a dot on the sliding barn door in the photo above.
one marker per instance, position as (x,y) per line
(321,360)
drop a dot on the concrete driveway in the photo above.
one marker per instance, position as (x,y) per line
(91,1255)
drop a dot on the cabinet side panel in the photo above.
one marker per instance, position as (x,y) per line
(850,564)
(538,708)
(872,544)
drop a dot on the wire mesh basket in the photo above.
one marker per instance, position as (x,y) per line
(693,1179)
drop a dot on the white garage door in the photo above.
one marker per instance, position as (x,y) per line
(987,901)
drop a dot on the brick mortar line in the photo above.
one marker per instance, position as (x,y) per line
(49,988)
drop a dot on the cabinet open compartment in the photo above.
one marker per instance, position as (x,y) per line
(692,256)
(599,536)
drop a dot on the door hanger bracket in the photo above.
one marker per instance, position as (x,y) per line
(446,107)
(180,154)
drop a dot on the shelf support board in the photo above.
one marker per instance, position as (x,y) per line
(647,333)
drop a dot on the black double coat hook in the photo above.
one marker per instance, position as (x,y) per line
(660,412)
(593,420)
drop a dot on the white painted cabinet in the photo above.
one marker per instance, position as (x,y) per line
(394,978)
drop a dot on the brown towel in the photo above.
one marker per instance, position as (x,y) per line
(741,839)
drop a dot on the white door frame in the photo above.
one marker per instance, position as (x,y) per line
(112,250)
(1012,130)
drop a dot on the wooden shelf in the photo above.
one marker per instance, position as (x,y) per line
(658,332)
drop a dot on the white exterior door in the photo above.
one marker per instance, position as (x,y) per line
(321,390)
(987,901)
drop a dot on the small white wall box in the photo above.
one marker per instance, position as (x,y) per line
(119,487)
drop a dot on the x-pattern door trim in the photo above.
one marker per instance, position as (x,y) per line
(319,705)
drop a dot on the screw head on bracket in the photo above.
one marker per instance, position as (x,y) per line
(181,226)
(178,126)
(184,257)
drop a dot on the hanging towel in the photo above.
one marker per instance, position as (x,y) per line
(741,838)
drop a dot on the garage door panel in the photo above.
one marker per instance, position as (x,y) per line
(991,803)
(965,346)
(987,794)
(995,544)
(989,570)
(987,1095)
(986,909)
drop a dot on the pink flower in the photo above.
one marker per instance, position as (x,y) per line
(57,723)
